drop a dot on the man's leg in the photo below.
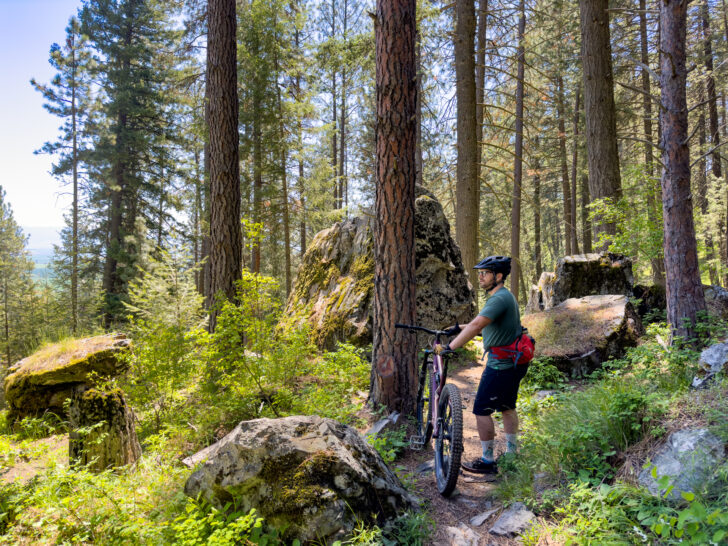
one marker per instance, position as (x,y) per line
(510,425)
(486,431)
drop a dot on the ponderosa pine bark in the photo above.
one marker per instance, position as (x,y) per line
(684,289)
(601,127)
(222,93)
(467,207)
(394,374)
(657,263)
(518,161)
(569,234)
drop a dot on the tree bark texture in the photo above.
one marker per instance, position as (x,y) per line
(569,235)
(683,287)
(601,128)
(586,228)
(657,263)
(574,163)
(466,213)
(225,232)
(394,377)
(518,161)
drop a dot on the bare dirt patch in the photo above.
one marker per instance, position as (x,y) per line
(32,458)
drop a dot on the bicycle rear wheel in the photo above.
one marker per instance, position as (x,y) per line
(424,409)
(449,442)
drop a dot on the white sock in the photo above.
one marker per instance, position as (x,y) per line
(511,443)
(487,449)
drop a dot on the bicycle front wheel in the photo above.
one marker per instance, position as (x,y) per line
(449,442)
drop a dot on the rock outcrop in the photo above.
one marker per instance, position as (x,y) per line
(102,433)
(689,457)
(582,275)
(713,360)
(312,476)
(46,379)
(513,521)
(581,333)
(334,289)
(716,299)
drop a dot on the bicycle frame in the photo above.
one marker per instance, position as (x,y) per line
(438,376)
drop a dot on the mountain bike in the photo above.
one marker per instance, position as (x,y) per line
(439,413)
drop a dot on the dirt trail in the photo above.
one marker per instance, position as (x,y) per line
(475,494)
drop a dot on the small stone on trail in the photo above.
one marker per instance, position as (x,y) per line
(540,395)
(513,521)
(478,520)
(462,535)
(470,503)
(426,467)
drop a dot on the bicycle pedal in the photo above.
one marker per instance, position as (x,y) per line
(416,443)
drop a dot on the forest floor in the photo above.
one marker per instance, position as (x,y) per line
(475,494)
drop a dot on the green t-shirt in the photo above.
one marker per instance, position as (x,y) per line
(502,309)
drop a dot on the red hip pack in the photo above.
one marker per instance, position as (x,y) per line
(519,352)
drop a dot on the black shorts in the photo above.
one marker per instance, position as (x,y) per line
(498,389)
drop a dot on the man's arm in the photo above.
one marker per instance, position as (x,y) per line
(470,330)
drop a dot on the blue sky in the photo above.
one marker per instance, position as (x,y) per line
(27,30)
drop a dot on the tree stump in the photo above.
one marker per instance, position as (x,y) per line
(102,433)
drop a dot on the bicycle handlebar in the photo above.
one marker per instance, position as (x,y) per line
(433,332)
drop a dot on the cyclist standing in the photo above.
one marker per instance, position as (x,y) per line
(499,322)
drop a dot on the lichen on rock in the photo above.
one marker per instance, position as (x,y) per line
(46,379)
(334,290)
(311,476)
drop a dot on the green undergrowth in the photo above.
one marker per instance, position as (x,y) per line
(575,441)
(188,388)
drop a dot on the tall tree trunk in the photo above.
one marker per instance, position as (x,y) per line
(574,163)
(586,229)
(257,177)
(466,210)
(394,377)
(565,190)
(418,110)
(518,161)
(684,290)
(343,194)
(482,26)
(225,233)
(284,184)
(537,211)
(601,128)
(299,131)
(197,224)
(74,213)
(702,187)
(657,263)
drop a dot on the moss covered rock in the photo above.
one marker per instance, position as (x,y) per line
(102,433)
(334,289)
(582,275)
(313,477)
(46,379)
(581,333)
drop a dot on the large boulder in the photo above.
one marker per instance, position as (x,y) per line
(582,275)
(581,333)
(311,476)
(716,300)
(102,433)
(46,379)
(713,360)
(334,288)
(689,457)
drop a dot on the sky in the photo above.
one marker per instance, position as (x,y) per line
(27,30)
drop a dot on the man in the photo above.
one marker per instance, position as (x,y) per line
(500,324)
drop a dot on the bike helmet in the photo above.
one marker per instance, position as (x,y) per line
(496,264)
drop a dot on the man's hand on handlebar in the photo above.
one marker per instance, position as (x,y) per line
(440,350)
(453,330)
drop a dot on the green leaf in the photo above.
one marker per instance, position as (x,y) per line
(687,495)
(653,472)
(718,536)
